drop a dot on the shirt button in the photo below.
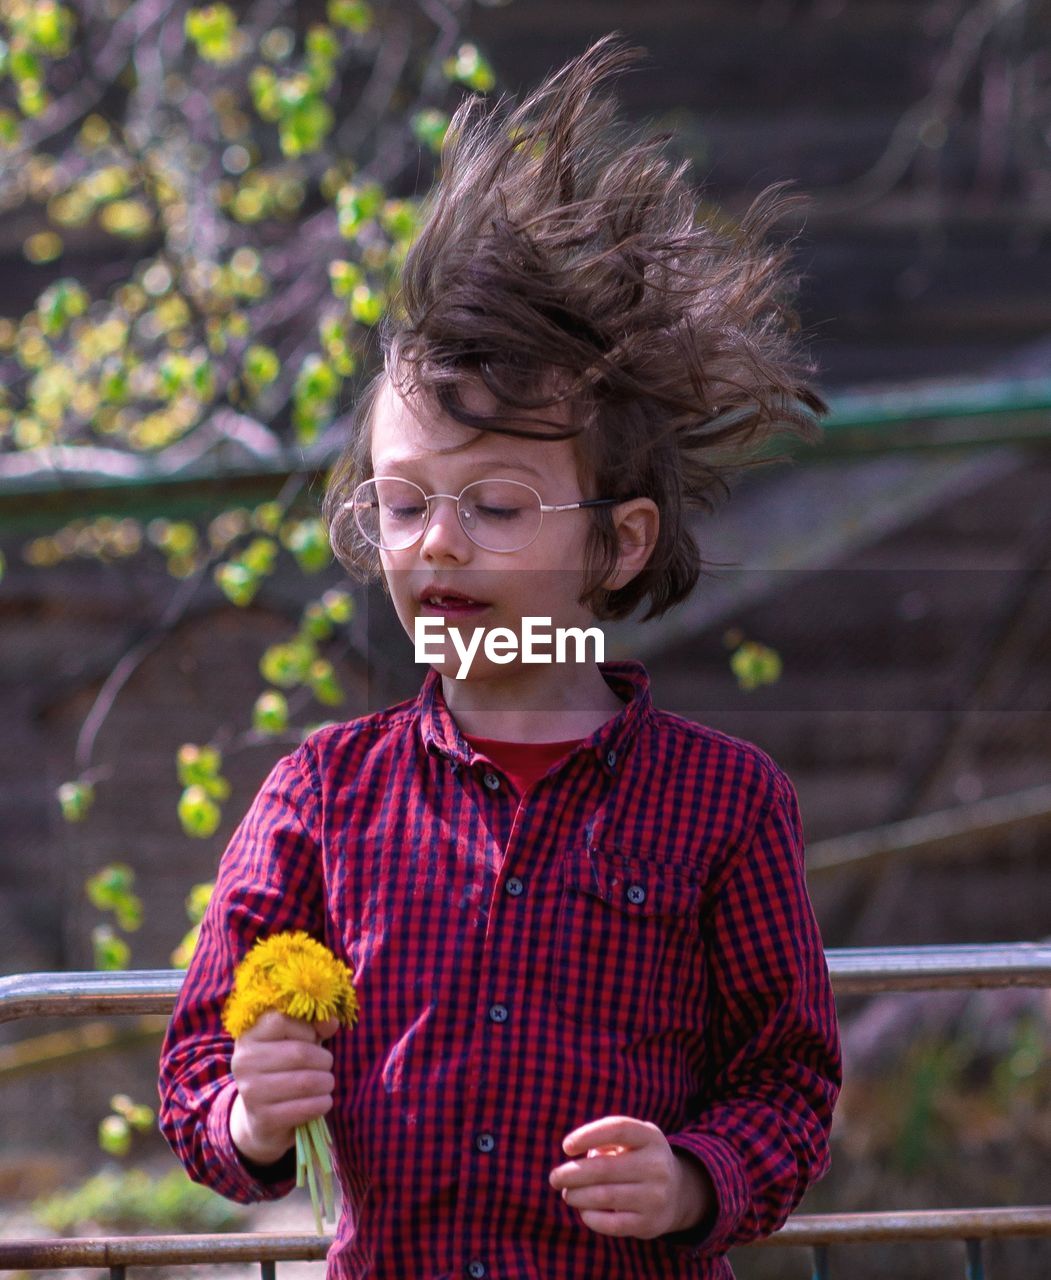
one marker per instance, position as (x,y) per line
(611,758)
(476,1270)
(515,887)
(485,1142)
(498,1013)
(636,894)
(492,781)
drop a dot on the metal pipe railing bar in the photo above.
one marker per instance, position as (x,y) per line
(871,970)
(169,1250)
(817,1231)
(912,1225)
(854,971)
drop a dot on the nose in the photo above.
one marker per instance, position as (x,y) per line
(444,538)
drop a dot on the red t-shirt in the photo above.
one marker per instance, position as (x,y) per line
(523,762)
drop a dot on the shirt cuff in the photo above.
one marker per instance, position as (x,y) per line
(714,1234)
(239,1178)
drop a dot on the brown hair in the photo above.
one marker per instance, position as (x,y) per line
(562,259)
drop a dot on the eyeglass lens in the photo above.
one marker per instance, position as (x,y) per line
(497,515)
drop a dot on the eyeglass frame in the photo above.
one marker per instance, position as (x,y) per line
(428,498)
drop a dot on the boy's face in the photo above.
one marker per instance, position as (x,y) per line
(416,441)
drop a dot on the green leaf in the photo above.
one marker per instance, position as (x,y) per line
(237,582)
(755,664)
(355,15)
(197,900)
(110,885)
(315,386)
(367,305)
(399,219)
(323,683)
(111,890)
(10,133)
(196,764)
(25,66)
(135,1114)
(47,27)
(262,84)
(344,277)
(115,1135)
(356,205)
(316,381)
(213,29)
(469,68)
(270,713)
(110,952)
(304,127)
(59,304)
(429,128)
(321,44)
(316,622)
(261,366)
(199,814)
(308,542)
(76,798)
(339,605)
(260,555)
(286,665)
(267,516)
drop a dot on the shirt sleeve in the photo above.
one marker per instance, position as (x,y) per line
(762,1134)
(269,880)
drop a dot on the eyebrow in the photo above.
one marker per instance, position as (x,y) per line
(384,466)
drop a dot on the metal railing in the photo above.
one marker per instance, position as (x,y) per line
(865,971)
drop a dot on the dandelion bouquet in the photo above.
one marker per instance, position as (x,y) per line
(298,976)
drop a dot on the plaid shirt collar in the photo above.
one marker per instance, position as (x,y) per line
(627,678)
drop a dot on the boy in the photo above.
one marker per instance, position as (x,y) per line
(597,1036)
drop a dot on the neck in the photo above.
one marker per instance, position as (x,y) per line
(540,706)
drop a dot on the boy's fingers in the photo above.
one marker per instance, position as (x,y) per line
(607,1199)
(288,1086)
(279,1026)
(597,1172)
(610,1131)
(323,1030)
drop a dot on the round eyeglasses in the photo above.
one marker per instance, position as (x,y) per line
(497,515)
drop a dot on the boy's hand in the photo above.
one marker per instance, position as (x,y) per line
(627,1180)
(284,1078)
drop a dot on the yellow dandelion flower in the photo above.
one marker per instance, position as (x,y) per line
(312,986)
(294,973)
(275,950)
(247,1004)
(297,975)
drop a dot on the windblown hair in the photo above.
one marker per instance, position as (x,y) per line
(563,261)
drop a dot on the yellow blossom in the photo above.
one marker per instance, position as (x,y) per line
(294,974)
(299,976)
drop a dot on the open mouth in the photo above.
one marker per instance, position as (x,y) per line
(436,600)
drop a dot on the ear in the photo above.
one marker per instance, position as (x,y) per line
(636,522)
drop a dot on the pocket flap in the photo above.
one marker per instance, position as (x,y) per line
(638,886)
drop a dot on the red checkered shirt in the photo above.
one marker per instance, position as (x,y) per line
(633,938)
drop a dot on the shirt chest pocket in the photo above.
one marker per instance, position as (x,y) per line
(628,944)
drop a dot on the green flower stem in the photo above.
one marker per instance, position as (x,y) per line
(318,1135)
(312,1184)
(301,1159)
(314,1168)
